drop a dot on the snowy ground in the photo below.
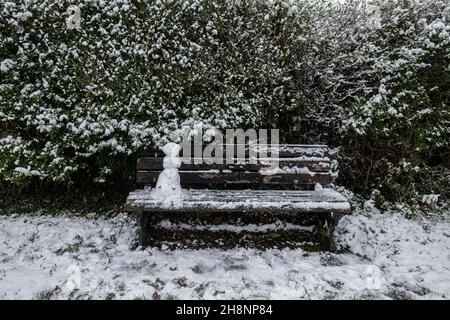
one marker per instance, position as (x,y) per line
(59,258)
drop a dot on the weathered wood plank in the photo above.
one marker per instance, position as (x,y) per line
(212,177)
(236,195)
(325,200)
(152,164)
(284,150)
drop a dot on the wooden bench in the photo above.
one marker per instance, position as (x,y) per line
(293,188)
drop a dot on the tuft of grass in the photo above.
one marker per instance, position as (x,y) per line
(47,294)
(158,284)
(338,285)
(71,248)
(110,296)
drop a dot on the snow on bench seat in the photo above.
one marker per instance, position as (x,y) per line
(323,200)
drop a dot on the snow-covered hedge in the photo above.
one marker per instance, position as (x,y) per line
(392,86)
(73,100)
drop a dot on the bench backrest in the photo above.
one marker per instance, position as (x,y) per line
(299,167)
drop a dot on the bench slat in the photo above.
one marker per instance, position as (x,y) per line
(284,150)
(325,200)
(212,177)
(151,163)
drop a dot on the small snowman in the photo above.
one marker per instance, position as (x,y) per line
(168,186)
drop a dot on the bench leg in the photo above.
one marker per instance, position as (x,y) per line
(141,224)
(333,222)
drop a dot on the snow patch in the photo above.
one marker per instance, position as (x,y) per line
(69,257)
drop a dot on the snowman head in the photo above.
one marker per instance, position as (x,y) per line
(171,149)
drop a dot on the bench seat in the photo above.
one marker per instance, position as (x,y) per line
(204,200)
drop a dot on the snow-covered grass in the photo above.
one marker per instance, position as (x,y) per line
(388,256)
